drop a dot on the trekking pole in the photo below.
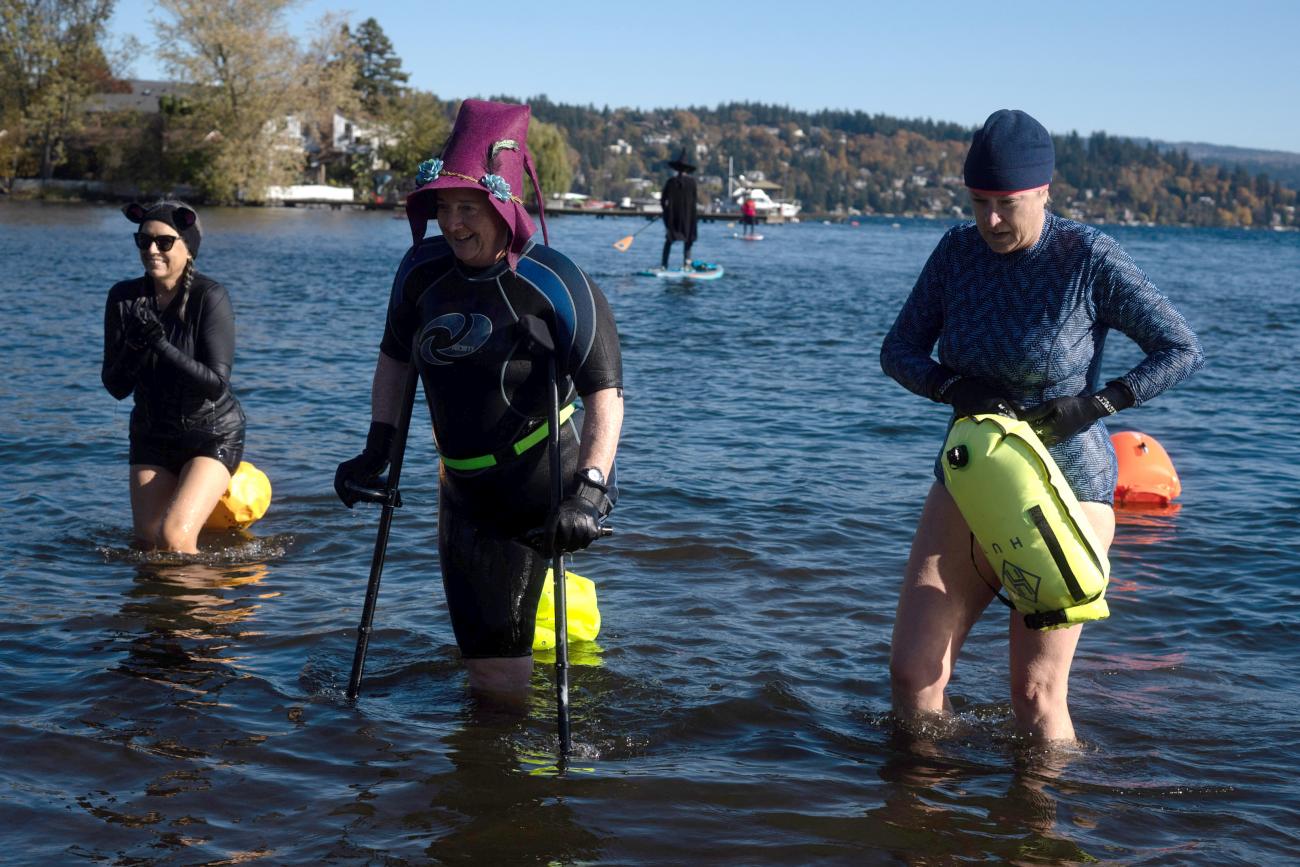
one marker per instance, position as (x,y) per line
(557,570)
(537,331)
(389,498)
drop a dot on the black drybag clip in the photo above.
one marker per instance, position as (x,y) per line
(957,457)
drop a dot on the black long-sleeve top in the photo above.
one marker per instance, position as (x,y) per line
(181,384)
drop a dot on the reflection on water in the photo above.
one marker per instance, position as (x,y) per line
(184,630)
(939,801)
(492,811)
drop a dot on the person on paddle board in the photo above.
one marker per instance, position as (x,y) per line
(169,340)
(1019,304)
(681,210)
(748,215)
(454,312)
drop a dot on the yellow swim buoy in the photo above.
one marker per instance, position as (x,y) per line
(584,616)
(1027,521)
(245,500)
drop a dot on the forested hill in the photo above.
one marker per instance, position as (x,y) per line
(843,163)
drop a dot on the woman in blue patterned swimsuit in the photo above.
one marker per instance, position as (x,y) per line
(1019,305)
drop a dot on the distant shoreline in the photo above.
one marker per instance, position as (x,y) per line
(65,194)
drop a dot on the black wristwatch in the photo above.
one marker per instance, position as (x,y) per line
(594,476)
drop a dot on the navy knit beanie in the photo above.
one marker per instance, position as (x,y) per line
(1010,153)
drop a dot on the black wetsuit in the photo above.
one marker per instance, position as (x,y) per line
(184,407)
(487,390)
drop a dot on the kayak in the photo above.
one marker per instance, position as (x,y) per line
(739,237)
(698,271)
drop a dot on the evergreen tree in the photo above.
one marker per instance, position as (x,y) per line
(380,78)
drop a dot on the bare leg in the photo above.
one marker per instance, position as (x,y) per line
(152,488)
(501,680)
(1040,661)
(941,598)
(203,481)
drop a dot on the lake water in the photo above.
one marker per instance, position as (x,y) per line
(735,706)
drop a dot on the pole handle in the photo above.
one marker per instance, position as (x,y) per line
(383,495)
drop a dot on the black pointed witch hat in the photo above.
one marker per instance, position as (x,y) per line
(680,163)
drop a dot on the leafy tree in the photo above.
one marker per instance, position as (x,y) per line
(379,78)
(418,124)
(328,85)
(50,60)
(246,75)
(551,157)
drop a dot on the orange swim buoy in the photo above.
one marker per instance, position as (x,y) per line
(1146,475)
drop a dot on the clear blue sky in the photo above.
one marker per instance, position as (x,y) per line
(1224,73)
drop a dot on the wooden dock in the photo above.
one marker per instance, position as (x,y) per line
(603,213)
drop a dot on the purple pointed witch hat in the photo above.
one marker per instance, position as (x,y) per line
(487,150)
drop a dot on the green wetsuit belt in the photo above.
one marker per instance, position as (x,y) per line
(484,461)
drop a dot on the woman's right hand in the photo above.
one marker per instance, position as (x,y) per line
(363,470)
(971,395)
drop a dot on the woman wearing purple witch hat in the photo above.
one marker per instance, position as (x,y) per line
(455,314)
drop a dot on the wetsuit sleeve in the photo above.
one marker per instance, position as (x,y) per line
(1128,301)
(905,354)
(121,367)
(209,372)
(603,366)
(399,326)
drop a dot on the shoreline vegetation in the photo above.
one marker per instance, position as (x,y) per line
(337,113)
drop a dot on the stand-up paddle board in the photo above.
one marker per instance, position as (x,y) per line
(738,236)
(697,271)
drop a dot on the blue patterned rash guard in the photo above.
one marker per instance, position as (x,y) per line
(1035,322)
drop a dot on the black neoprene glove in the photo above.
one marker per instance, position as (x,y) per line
(143,328)
(1063,417)
(970,395)
(577,524)
(365,467)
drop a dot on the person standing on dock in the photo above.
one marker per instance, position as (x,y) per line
(681,216)
(456,319)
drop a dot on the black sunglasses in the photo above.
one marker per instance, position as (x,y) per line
(164,242)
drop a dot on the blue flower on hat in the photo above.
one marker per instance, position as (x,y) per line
(497,186)
(428,170)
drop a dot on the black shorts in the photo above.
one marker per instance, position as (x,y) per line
(173,451)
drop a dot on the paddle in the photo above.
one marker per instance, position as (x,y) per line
(389,498)
(622,244)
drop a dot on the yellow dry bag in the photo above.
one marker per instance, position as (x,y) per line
(1027,521)
(245,500)
(584,617)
